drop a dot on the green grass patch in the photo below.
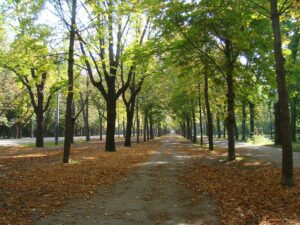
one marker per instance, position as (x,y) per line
(47,144)
(296,146)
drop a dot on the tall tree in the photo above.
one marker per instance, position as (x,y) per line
(69,120)
(287,150)
(29,58)
(102,53)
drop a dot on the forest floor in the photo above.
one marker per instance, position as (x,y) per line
(164,181)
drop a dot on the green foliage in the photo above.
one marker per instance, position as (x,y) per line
(260,140)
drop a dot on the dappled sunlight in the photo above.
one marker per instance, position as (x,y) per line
(257,163)
(172,143)
(27,156)
(183,157)
(152,163)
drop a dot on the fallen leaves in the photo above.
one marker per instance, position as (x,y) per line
(248,192)
(35,183)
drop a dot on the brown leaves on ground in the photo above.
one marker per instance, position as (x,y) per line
(247,191)
(34,183)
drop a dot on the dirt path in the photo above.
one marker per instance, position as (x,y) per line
(153,194)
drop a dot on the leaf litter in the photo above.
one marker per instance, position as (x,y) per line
(247,191)
(34,183)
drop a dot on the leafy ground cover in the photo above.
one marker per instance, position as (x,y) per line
(247,190)
(35,183)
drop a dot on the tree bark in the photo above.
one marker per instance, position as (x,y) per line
(277,124)
(244,117)
(271,123)
(208,114)
(39,111)
(189,130)
(19,128)
(69,127)
(151,126)
(145,126)
(39,129)
(86,121)
(100,127)
(129,120)
(137,122)
(200,114)
(194,125)
(218,125)
(230,120)
(110,145)
(252,118)
(287,150)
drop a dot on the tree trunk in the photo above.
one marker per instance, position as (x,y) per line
(151,126)
(110,145)
(194,125)
(86,122)
(39,129)
(137,122)
(230,120)
(218,125)
(277,124)
(100,126)
(189,130)
(252,117)
(129,118)
(208,114)
(68,121)
(271,123)
(287,150)
(145,127)
(57,119)
(244,117)
(17,133)
(73,121)
(200,114)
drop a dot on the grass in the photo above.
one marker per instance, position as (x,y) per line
(296,146)
(262,140)
(47,144)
